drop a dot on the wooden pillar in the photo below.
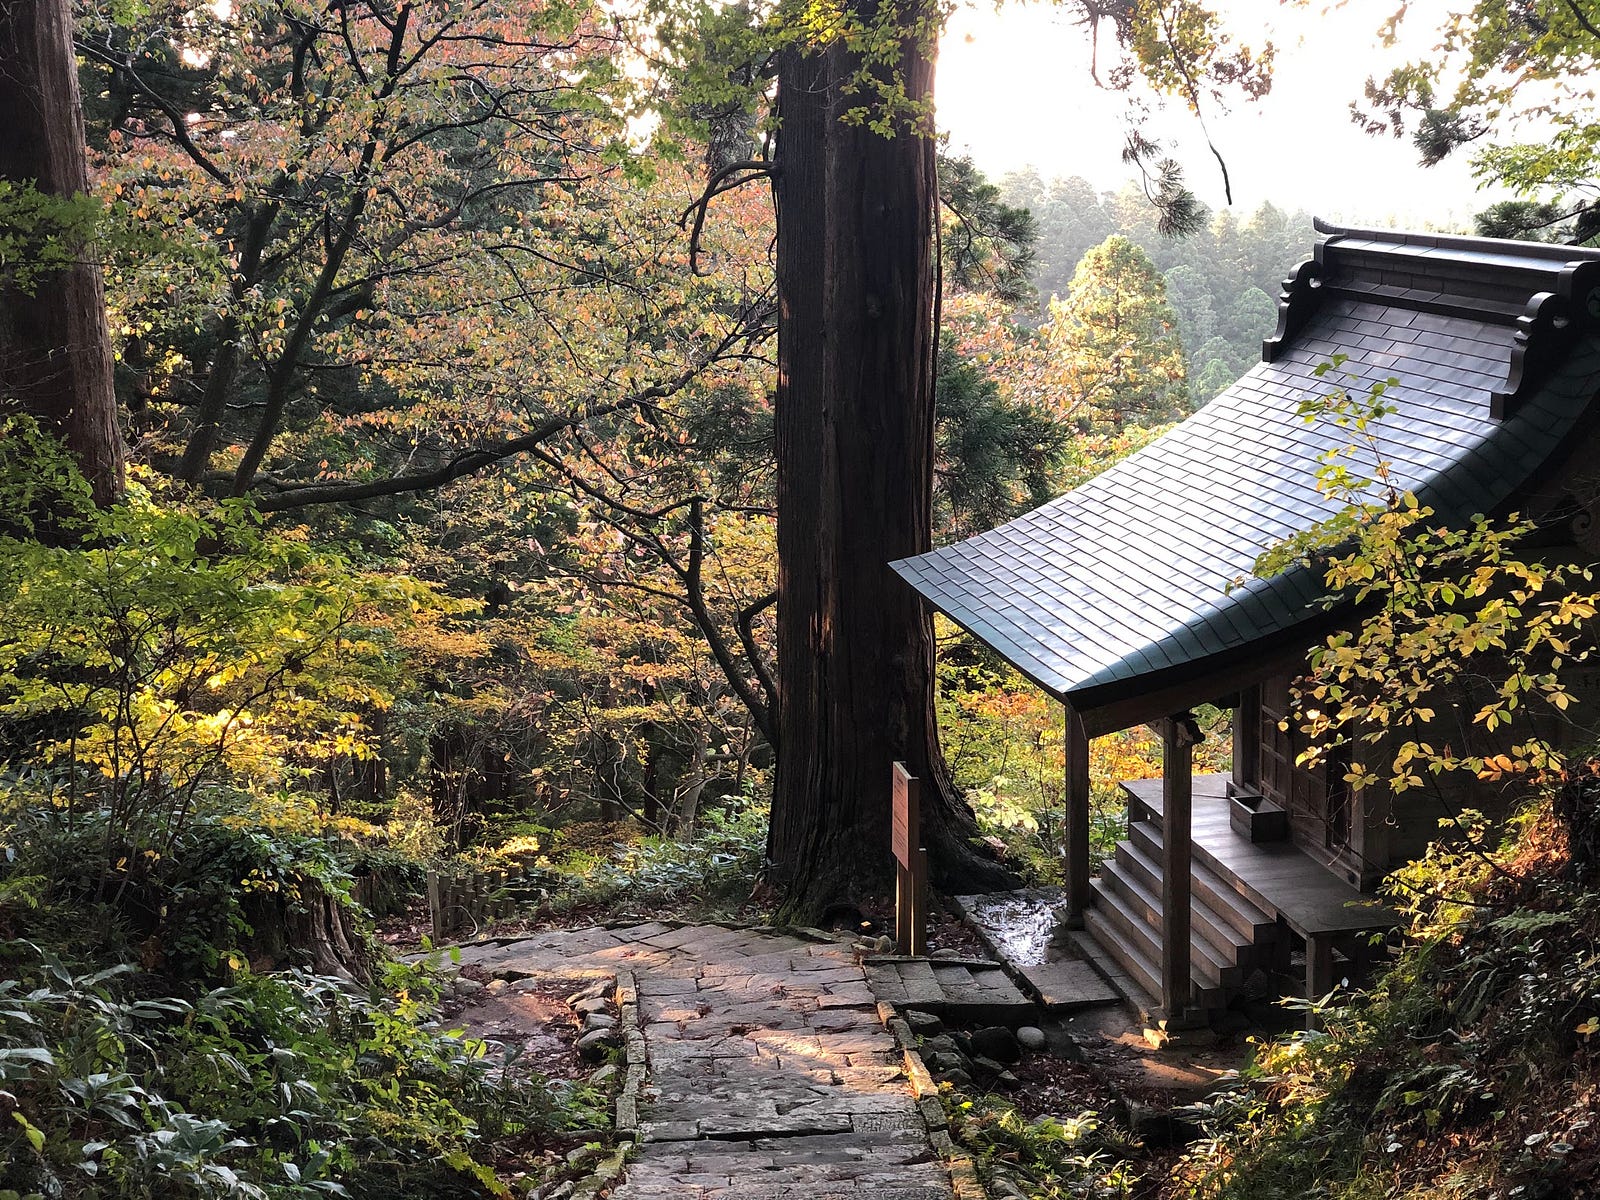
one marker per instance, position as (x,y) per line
(436,906)
(1178,737)
(1319,971)
(1247,737)
(1077,817)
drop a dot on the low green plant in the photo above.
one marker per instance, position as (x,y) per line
(712,871)
(225,890)
(1049,1158)
(290,1085)
(1468,1071)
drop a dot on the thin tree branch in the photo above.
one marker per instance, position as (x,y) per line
(180,132)
(719,183)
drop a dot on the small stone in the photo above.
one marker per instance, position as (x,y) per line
(467,987)
(599,1021)
(956,1079)
(496,985)
(582,1156)
(593,1045)
(1008,1081)
(924,1024)
(885,945)
(988,1066)
(604,1075)
(1004,1189)
(996,1042)
(1032,1038)
(589,992)
(591,1004)
(940,1043)
(945,1061)
(944,952)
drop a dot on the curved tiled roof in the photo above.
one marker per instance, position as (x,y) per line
(1123,583)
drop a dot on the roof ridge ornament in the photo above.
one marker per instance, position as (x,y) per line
(1547,329)
(1298,302)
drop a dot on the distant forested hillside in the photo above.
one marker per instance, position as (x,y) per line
(1222,282)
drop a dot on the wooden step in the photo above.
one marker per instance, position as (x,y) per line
(1230,948)
(1249,948)
(1135,956)
(1130,955)
(1135,991)
(1208,967)
(1219,895)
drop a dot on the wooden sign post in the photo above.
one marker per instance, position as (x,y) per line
(911,864)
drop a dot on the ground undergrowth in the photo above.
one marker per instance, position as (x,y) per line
(152,1046)
(1471,1069)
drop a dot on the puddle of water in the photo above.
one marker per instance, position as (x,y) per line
(1021,926)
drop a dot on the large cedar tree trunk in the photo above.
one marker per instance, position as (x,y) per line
(55,349)
(855,419)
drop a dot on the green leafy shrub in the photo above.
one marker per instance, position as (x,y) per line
(713,870)
(160,649)
(289,1085)
(1470,1069)
(1049,1158)
(227,890)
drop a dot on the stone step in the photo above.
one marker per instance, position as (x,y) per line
(1116,976)
(1067,984)
(1020,928)
(958,991)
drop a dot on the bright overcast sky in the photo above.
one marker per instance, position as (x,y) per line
(1014,89)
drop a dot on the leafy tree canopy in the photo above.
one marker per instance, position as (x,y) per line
(1512,77)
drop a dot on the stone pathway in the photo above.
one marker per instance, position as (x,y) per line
(770,1073)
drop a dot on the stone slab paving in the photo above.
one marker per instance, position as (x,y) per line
(961,991)
(771,1075)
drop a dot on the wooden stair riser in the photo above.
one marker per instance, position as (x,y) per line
(1208,967)
(1231,923)
(1221,897)
(1125,953)
(1222,943)
(1133,956)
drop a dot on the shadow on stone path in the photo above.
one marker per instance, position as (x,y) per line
(770,1074)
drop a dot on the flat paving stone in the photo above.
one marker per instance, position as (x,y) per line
(770,1075)
(963,992)
(1068,983)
